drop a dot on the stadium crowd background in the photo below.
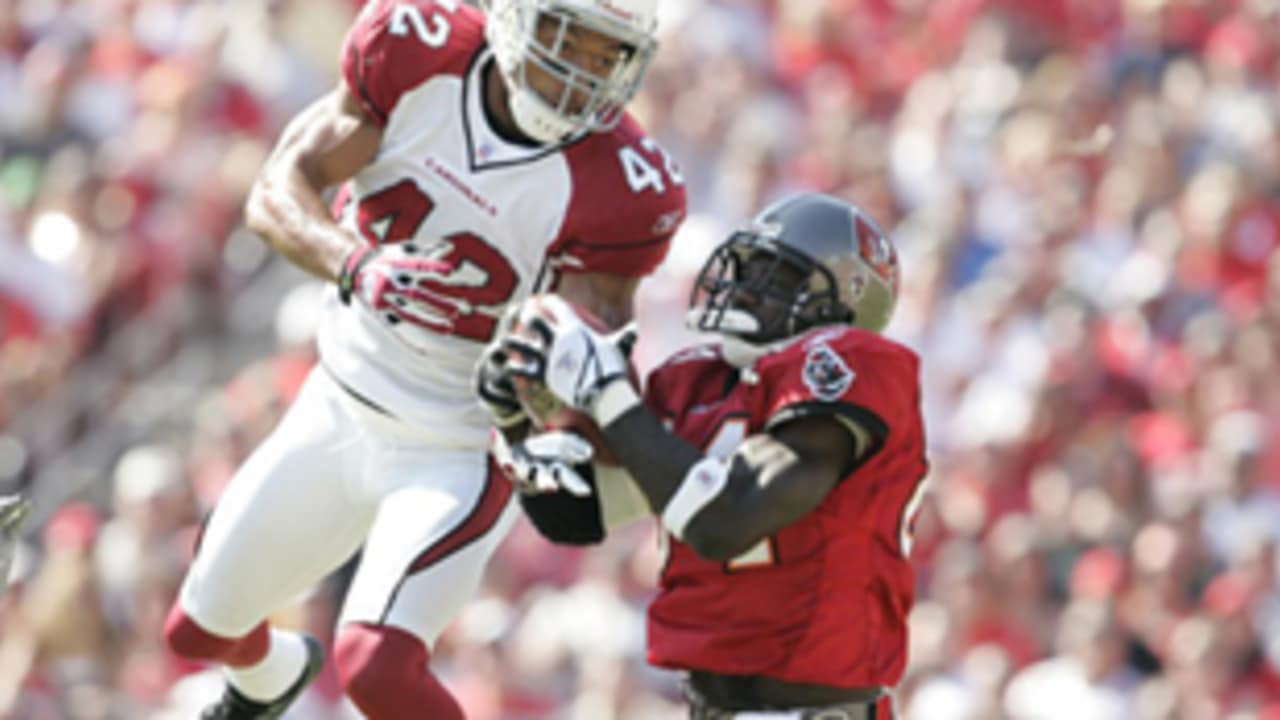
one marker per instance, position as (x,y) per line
(1086,198)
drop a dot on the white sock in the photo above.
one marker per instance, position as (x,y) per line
(277,672)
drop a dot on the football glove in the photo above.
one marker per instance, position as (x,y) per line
(386,279)
(543,463)
(494,385)
(559,349)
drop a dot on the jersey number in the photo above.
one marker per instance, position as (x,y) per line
(432,31)
(641,174)
(479,281)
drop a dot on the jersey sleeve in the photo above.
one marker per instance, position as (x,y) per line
(658,391)
(867,383)
(627,201)
(394,47)
(669,387)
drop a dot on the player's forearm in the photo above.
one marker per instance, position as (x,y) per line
(290,214)
(658,460)
(324,145)
(763,488)
(661,463)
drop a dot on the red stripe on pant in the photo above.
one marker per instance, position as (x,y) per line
(488,509)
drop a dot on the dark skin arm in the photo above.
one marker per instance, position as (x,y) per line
(775,478)
(324,145)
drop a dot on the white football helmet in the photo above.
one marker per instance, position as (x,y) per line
(511,32)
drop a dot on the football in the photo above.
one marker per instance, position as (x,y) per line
(547,412)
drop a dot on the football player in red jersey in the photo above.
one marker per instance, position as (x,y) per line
(786,465)
(482,159)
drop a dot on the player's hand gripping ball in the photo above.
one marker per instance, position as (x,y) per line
(561,356)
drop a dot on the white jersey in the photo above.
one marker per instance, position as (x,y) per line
(504,220)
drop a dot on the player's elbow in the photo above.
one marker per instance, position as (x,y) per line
(267,210)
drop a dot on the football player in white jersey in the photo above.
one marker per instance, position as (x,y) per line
(481,159)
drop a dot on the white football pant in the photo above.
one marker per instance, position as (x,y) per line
(334,475)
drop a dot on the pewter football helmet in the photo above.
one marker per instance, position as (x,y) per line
(815,259)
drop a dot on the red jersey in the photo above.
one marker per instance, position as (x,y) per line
(825,600)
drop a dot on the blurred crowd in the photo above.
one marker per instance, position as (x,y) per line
(1086,198)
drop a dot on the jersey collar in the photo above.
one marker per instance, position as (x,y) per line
(486,148)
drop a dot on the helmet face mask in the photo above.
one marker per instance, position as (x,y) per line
(783,291)
(806,262)
(571,66)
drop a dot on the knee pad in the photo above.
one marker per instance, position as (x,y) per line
(187,639)
(384,672)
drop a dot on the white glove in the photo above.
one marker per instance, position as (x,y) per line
(575,361)
(543,463)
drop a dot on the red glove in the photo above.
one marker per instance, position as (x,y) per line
(387,279)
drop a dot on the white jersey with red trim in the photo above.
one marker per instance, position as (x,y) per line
(504,219)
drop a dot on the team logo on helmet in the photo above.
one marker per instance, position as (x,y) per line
(826,374)
(877,253)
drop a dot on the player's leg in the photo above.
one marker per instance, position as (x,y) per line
(287,519)
(423,560)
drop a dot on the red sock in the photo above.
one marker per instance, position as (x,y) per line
(384,672)
(188,640)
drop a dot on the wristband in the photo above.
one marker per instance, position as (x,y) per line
(700,486)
